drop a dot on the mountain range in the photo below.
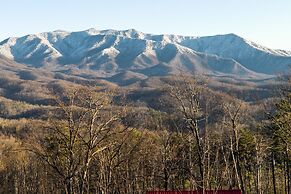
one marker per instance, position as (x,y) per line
(128,56)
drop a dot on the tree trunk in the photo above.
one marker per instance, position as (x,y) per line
(288,171)
(273,173)
(68,186)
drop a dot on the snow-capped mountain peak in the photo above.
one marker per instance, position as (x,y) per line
(107,52)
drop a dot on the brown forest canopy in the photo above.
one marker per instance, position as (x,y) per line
(59,136)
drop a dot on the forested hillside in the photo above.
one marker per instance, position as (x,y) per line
(186,133)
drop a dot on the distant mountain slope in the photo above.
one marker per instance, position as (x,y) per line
(251,55)
(130,55)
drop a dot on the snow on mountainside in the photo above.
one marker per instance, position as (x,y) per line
(251,55)
(132,55)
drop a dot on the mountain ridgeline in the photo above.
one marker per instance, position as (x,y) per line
(116,112)
(128,56)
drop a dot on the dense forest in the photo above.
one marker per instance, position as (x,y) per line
(94,139)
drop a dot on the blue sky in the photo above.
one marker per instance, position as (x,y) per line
(267,22)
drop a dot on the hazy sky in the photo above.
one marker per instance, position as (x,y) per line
(267,22)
